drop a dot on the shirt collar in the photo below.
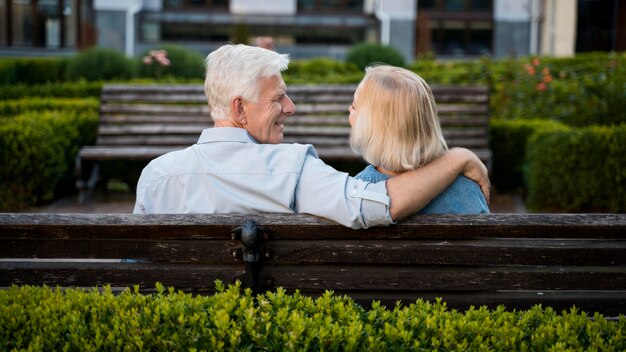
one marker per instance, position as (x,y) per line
(225,134)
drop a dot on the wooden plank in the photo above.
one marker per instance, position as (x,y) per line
(106,118)
(485,251)
(197,278)
(200,110)
(303,226)
(137,248)
(432,278)
(149,140)
(125,152)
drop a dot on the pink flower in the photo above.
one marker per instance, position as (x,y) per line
(536,61)
(541,86)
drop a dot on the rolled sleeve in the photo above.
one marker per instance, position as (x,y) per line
(326,192)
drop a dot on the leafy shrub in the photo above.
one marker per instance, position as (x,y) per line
(37,151)
(507,141)
(80,89)
(584,95)
(322,71)
(181,63)
(453,72)
(21,106)
(578,170)
(31,70)
(40,318)
(96,64)
(366,54)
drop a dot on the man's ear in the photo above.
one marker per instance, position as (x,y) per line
(238,111)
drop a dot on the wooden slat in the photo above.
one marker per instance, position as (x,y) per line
(307,227)
(413,278)
(197,278)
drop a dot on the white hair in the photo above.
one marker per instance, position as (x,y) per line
(235,70)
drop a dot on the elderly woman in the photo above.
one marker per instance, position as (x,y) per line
(395,128)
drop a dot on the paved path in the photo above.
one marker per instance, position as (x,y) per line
(123,203)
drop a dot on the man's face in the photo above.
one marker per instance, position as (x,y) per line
(265,119)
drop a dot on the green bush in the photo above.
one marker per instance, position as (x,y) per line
(507,141)
(31,70)
(321,71)
(578,170)
(20,106)
(80,89)
(40,318)
(37,151)
(95,64)
(590,92)
(367,54)
(183,63)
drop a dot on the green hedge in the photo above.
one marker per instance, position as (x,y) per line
(366,54)
(37,151)
(508,140)
(20,106)
(577,170)
(183,64)
(97,64)
(31,70)
(322,71)
(80,89)
(40,318)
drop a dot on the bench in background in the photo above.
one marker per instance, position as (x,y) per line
(518,260)
(141,122)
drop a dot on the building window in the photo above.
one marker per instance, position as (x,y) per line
(43,23)
(195,4)
(330,5)
(455,27)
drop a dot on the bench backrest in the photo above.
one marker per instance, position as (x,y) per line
(171,117)
(517,260)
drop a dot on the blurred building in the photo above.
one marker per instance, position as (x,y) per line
(310,28)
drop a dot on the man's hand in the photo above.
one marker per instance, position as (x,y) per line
(475,170)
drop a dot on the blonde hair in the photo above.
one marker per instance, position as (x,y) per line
(235,70)
(396,126)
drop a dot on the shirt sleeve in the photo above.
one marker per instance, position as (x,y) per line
(326,192)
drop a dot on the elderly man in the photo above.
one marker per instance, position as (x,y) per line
(241,166)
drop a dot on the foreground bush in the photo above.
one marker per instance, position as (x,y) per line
(40,318)
(578,170)
(80,89)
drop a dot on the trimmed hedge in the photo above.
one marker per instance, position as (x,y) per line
(40,318)
(322,71)
(31,70)
(37,151)
(80,89)
(366,54)
(508,140)
(21,106)
(96,64)
(182,64)
(577,170)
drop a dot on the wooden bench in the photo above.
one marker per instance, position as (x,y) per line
(141,122)
(518,260)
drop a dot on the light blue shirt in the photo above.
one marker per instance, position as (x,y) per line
(227,171)
(463,196)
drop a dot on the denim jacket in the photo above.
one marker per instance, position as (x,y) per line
(463,196)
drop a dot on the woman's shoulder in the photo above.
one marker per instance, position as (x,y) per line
(370,174)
